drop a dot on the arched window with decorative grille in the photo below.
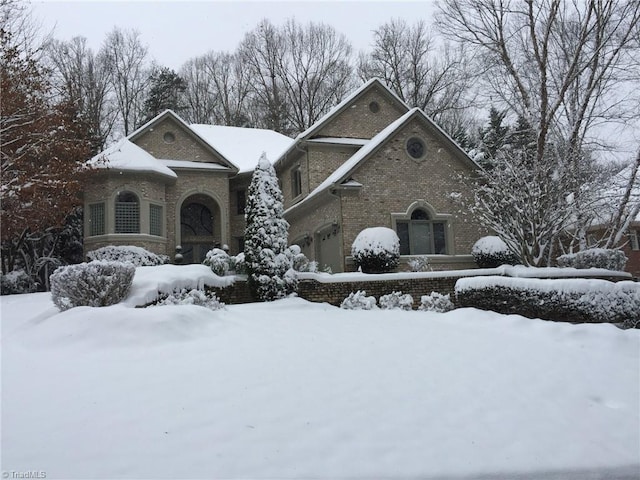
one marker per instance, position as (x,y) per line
(421,234)
(127,213)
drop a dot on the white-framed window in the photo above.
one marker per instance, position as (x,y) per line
(634,239)
(127,210)
(156,217)
(296,182)
(96,219)
(421,234)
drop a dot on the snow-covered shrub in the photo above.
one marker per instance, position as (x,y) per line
(219,262)
(491,252)
(138,256)
(359,301)
(299,261)
(93,284)
(17,281)
(436,302)
(395,301)
(420,264)
(376,250)
(594,258)
(270,275)
(192,297)
(237,264)
(572,300)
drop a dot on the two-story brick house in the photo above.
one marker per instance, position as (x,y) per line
(371,161)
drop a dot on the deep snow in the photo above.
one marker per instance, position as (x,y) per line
(292,389)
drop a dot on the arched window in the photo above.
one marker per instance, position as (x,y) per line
(127,213)
(421,235)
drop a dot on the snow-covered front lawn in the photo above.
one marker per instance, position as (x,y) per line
(292,389)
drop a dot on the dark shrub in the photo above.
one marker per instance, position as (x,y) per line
(491,252)
(16,282)
(595,258)
(376,250)
(575,300)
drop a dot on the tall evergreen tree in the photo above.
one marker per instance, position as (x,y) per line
(165,91)
(493,138)
(269,267)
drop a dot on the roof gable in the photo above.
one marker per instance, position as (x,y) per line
(374,87)
(345,171)
(140,137)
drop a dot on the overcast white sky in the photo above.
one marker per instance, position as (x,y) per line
(176,31)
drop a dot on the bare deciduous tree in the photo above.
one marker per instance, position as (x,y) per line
(559,65)
(434,78)
(298,72)
(316,71)
(260,52)
(83,78)
(125,57)
(552,61)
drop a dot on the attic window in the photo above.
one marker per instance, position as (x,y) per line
(169,137)
(415,148)
(374,107)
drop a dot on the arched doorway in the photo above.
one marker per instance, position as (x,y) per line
(199,227)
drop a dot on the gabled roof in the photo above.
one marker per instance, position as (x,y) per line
(339,108)
(374,82)
(171,114)
(126,155)
(342,175)
(244,146)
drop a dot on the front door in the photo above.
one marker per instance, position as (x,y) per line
(196,229)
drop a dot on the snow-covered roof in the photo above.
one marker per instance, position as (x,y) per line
(358,142)
(127,156)
(192,165)
(243,146)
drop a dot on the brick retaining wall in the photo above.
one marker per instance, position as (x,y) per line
(334,291)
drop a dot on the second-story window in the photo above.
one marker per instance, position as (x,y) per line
(241,201)
(296,182)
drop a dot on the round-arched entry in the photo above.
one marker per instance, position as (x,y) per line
(199,227)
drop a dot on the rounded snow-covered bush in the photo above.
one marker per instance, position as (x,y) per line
(192,297)
(299,261)
(237,264)
(436,302)
(219,261)
(17,281)
(93,284)
(138,256)
(420,264)
(396,301)
(376,250)
(594,258)
(359,301)
(491,252)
